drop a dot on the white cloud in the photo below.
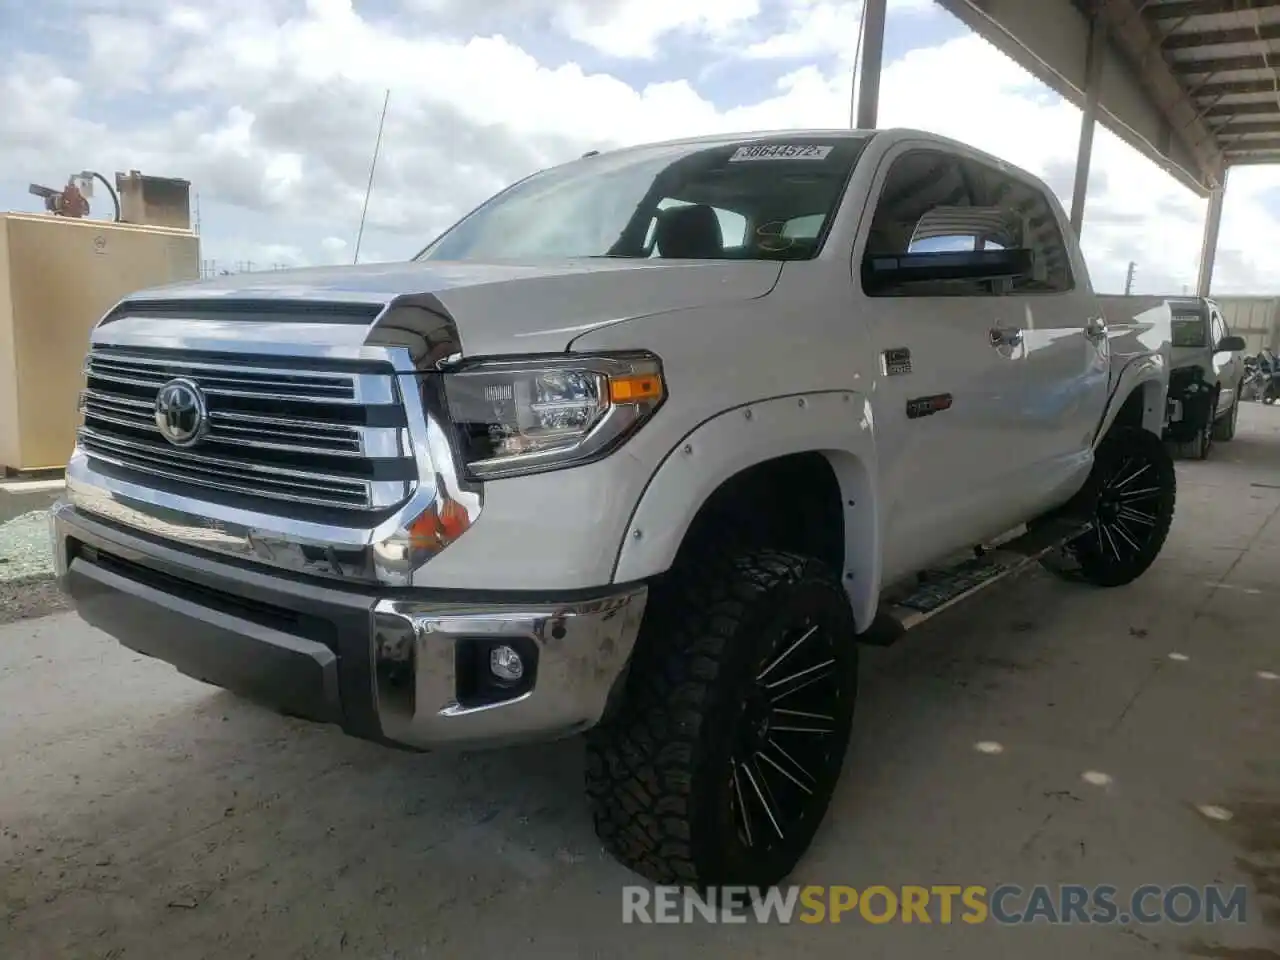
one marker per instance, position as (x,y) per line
(187,19)
(120,55)
(618,28)
(816,28)
(634,28)
(278,102)
(335,250)
(277,256)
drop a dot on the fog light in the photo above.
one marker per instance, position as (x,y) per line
(505,664)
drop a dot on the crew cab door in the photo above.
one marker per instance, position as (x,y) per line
(951,397)
(1067,366)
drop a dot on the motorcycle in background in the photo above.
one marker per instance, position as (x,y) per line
(1261,379)
(1252,381)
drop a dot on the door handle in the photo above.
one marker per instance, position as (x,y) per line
(1005,336)
(1095,328)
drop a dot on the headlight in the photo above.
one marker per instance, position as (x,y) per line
(525,416)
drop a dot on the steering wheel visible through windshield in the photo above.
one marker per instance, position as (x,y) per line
(766,198)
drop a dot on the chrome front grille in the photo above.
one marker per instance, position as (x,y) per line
(287,431)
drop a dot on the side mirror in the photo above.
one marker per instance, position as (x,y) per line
(885,273)
(1232,344)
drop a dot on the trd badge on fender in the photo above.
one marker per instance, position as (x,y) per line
(918,407)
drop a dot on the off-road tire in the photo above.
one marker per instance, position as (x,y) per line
(661,771)
(1132,472)
(1224,428)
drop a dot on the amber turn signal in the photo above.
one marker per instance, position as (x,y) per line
(439,525)
(635,387)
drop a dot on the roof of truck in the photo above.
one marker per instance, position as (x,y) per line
(808,133)
(842,133)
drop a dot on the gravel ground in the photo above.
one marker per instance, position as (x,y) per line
(26,561)
(24,547)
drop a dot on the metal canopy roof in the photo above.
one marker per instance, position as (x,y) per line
(1192,84)
(1226,55)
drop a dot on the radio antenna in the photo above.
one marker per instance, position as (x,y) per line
(377,146)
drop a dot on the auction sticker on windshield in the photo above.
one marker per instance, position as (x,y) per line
(781,151)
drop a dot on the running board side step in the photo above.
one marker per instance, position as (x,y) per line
(936,590)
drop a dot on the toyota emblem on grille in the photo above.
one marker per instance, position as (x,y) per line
(181,415)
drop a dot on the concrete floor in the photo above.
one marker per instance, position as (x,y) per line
(146,815)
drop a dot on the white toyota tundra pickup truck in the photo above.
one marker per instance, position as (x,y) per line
(642,447)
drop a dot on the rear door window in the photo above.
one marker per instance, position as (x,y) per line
(933,202)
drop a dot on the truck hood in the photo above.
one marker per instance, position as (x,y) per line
(496,308)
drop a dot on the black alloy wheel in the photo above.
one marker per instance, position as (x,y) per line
(719,764)
(786,736)
(1134,492)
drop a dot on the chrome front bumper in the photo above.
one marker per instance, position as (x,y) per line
(406,668)
(572,654)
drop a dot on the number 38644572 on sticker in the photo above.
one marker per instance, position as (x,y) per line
(781,151)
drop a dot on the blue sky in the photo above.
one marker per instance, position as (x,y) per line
(270,108)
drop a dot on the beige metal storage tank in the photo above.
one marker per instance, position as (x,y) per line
(58,276)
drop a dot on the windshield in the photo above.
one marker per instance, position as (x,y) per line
(1188,330)
(766,198)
